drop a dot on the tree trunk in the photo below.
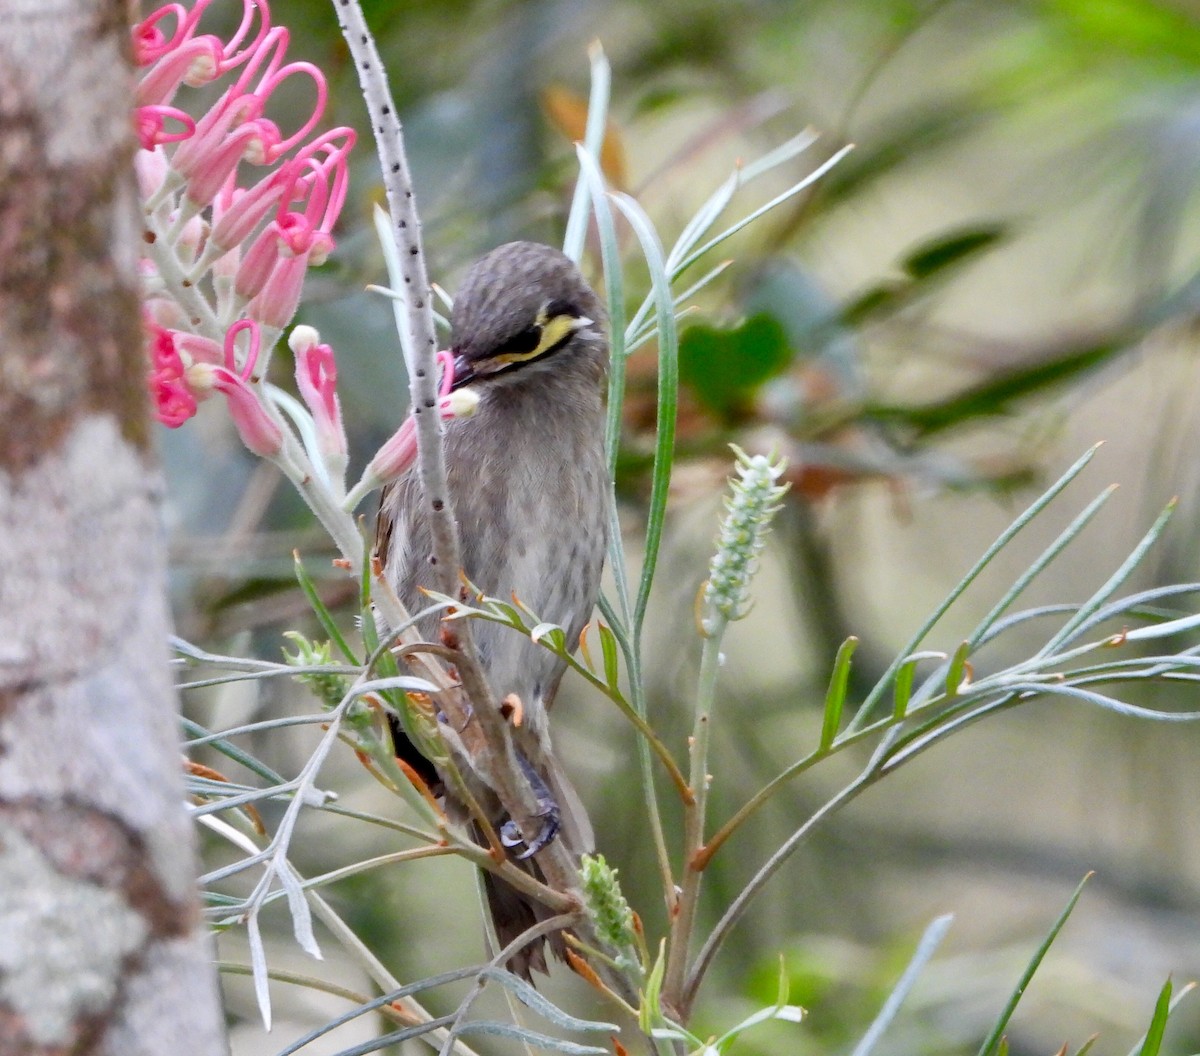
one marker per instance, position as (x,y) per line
(101,944)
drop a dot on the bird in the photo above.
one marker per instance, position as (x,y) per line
(528,483)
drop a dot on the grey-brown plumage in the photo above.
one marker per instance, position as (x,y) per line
(529,488)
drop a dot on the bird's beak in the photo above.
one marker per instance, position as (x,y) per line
(464,373)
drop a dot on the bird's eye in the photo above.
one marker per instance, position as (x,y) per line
(523,343)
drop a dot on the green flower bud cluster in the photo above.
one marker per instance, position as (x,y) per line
(753,501)
(328,688)
(607,906)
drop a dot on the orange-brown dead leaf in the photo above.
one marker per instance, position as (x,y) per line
(200,770)
(414,779)
(581,968)
(567,111)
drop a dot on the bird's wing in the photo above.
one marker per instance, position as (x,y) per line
(384,526)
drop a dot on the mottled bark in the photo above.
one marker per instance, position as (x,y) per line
(101,944)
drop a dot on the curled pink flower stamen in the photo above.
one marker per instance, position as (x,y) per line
(152,126)
(250,360)
(150,43)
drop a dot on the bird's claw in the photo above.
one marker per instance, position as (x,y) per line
(547,810)
(511,836)
(444,719)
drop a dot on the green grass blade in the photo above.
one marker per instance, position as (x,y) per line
(668,397)
(324,616)
(1165,1005)
(1152,1042)
(992,1042)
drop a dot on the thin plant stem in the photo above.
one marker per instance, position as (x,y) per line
(694,820)
(737,908)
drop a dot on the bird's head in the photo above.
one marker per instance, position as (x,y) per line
(524,310)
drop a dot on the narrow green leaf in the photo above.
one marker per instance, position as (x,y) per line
(948,250)
(608,647)
(324,617)
(528,995)
(614,296)
(996,395)
(750,217)
(668,397)
(995,1039)
(232,751)
(903,690)
(1152,1042)
(553,634)
(835,696)
(1049,554)
(1162,630)
(1086,1047)
(902,693)
(593,141)
(650,1014)
(929,942)
(1080,620)
(957,669)
(1001,542)
(1170,1005)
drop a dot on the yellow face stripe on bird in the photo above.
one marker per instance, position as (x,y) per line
(553,332)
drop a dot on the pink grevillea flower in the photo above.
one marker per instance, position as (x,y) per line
(400,451)
(236,211)
(180,374)
(173,401)
(259,430)
(316,378)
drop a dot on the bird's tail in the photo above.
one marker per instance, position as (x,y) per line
(513,912)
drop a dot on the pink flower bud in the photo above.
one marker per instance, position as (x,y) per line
(242,211)
(400,451)
(277,301)
(151,168)
(174,404)
(258,262)
(258,430)
(316,378)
